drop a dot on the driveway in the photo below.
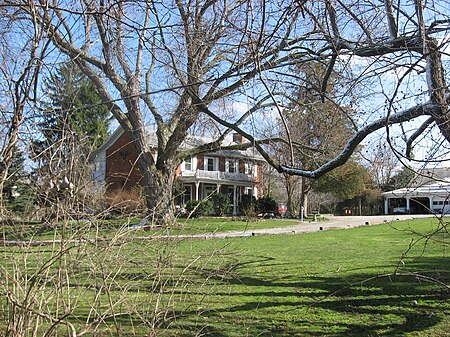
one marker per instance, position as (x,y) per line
(334,222)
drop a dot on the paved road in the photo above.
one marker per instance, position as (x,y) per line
(334,222)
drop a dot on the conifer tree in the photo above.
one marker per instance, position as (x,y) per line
(73,114)
(318,129)
(73,123)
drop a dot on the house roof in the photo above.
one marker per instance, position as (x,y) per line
(190,142)
(109,141)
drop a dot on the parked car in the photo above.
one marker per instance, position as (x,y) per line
(282,209)
(400,210)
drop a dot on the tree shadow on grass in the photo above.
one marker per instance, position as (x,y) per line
(351,304)
(356,303)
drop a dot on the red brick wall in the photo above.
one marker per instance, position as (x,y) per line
(258,180)
(122,171)
(241,165)
(200,161)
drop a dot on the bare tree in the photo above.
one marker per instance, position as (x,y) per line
(166,63)
(382,163)
(20,66)
(394,40)
(192,54)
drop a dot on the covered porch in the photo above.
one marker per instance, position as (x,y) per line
(202,190)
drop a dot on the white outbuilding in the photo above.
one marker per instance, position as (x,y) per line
(430,198)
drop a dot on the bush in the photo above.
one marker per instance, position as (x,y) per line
(221,203)
(197,208)
(267,205)
(247,205)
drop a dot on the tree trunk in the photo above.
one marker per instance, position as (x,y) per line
(304,195)
(159,199)
(3,174)
(7,153)
(304,201)
(158,187)
(289,185)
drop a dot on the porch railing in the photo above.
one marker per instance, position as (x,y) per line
(218,175)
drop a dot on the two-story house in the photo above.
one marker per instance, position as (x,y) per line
(232,172)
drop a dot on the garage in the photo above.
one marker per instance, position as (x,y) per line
(431,198)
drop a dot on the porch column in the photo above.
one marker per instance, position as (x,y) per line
(386,206)
(218,188)
(431,204)
(197,185)
(408,204)
(234,200)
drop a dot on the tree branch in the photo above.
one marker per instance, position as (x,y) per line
(403,116)
(416,135)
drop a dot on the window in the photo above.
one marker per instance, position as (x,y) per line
(248,191)
(188,164)
(231,166)
(209,189)
(231,194)
(187,194)
(248,168)
(210,164)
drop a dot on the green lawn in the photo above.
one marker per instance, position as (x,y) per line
(331,283)
(212,225)
(108,228)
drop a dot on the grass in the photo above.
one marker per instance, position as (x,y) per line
(366,281)
(107,228)
(328,284)
(212,225)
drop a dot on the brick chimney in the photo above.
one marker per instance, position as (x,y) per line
(237,138)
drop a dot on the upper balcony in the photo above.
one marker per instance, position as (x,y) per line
(218,176)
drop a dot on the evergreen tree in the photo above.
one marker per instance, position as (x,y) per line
(74,113)
(73,123)
(402,179)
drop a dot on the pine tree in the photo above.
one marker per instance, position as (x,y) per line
(74,113)
(73,123)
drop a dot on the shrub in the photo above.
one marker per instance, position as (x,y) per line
(247,205)
(197,208)
(221,203)
(267,205)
